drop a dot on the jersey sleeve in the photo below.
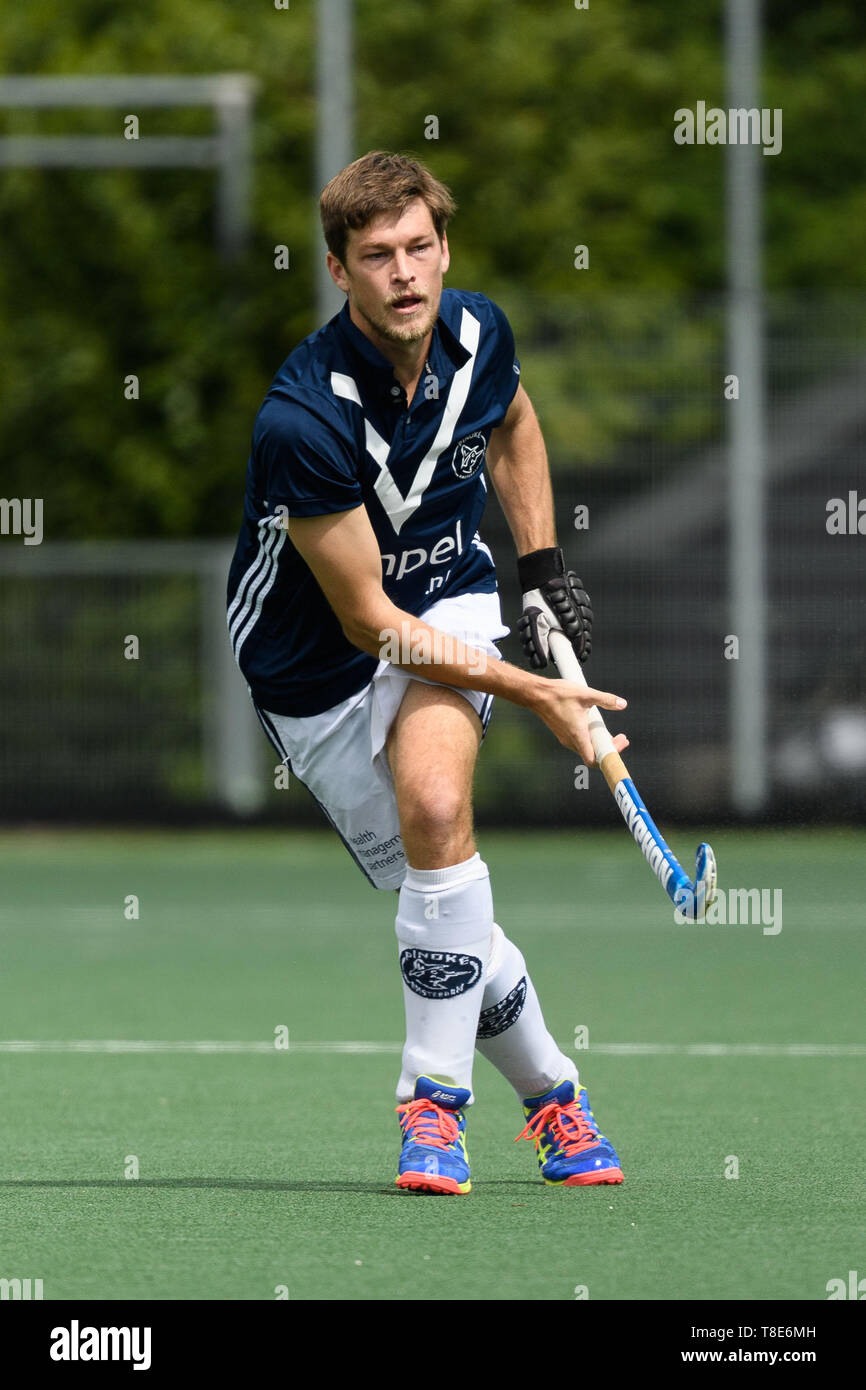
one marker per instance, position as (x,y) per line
(304,463)
(505,366)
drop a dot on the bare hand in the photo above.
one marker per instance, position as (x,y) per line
(565,709)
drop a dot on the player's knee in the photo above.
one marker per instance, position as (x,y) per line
(437,817)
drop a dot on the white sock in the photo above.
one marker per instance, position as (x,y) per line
(444,922)
(512,1033)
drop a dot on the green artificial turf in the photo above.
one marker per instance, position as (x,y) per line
(275,1167)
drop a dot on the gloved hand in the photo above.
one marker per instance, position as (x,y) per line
(553,599)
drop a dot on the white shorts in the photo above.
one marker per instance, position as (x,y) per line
(340,757)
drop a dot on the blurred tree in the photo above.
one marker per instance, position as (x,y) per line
(555,129)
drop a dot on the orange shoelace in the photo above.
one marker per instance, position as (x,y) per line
(572,1131)
(432,1126)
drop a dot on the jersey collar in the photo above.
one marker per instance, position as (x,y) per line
(446,353)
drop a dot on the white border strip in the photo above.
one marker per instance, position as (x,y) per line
(360,1049)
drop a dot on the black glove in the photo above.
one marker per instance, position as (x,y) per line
(554,599)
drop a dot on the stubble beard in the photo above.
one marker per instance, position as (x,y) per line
(395,332)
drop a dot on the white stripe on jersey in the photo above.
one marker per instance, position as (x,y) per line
(398,507)
(249,574)
(345,386)
(480,545)
(259,589)
(240,595)
(377,446)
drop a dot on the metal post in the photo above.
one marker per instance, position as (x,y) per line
(230,150)
(334,126)
(748,448)
(235,164)
(233,740)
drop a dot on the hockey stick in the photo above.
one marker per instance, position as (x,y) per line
(691,898)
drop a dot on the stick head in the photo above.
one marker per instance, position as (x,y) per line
(692,901)
(705,878)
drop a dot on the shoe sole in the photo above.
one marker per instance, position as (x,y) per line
(423,1182)
(608,1175)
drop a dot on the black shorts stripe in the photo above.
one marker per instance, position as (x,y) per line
(269,728)
(273,737)
(486,712)
(326,813)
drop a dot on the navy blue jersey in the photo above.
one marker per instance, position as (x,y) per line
(335,432)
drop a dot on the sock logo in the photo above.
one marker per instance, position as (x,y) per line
(439,974)
(500,1016)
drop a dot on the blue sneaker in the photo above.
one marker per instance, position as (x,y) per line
(434,1157)
(571,1152)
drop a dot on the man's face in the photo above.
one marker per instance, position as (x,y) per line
(392,274)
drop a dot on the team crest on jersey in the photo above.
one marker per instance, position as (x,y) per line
(468,455)
(498,1017)
(439,974)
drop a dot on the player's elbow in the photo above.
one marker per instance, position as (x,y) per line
(363,615)
(362,632)
(354,632)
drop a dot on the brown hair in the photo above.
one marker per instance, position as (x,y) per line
(379,182)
